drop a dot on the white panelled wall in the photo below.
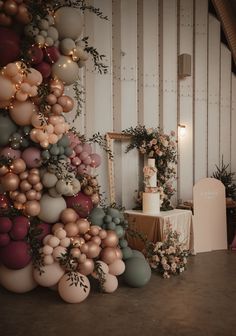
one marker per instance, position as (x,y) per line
(142,41)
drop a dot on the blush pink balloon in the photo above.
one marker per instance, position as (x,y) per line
(78,149)
(76,161)
(83,155)
(21,112)
(11,153)
(96,160)
(32,157)
(87,148)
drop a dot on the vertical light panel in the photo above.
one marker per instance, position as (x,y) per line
(99,86)
(99,116)
(233,123)
(125,104)
(129,96)
(225,104)
(200,89)
(148,60)
(213,93)
(168,69)
(168,65)
(185,107)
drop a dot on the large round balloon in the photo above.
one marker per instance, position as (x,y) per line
(22,112)
(69,22)
(9,46)
(17,281)
(74,292)
(51,208)
(7,127)
(66,70)
(81,203)
(137,272)
(8,89)
(15,255)
(49,275)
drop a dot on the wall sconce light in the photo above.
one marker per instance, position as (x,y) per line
(184,65)
(182,130)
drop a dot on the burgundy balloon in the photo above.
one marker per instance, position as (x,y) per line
(15,255)
(81,203)
(36,55)
(20,228)
(4,239)
(9,46)
(51,54)
(44,229)
(5,224)
(44,68)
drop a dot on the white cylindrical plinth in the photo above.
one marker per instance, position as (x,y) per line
(151,203)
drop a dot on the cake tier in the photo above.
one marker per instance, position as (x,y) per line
(151,203)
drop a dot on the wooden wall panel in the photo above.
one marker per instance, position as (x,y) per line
(99,87)
(233,123)
(225,104)
(126,81)
(148,63)
(213,94)
(185,166)
(168,65)
(200,89)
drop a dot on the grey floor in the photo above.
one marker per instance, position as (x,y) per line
(201,301)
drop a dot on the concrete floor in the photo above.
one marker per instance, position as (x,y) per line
(201,301)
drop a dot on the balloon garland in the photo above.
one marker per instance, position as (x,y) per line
(52,232)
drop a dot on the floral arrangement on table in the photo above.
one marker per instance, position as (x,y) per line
(154,143)
(52,231)
(167,257)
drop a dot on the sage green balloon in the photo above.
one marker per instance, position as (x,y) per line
(137,272)
(123,243)
(113,212)
(119,231)
(138,254)
(7,127)
(96,216)
(127,253)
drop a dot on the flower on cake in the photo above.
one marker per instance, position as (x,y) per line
(154,143)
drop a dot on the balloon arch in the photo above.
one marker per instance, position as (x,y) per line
(53,231)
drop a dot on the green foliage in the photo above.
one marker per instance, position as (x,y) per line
(223,174)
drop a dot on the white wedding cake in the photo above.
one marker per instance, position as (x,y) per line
(151,196)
